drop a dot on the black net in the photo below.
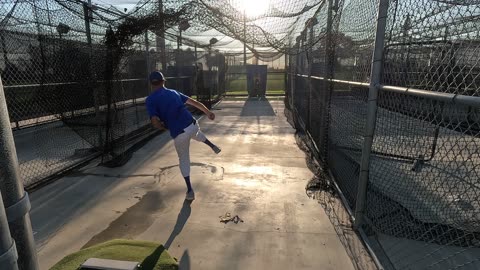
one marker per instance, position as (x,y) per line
(75,78)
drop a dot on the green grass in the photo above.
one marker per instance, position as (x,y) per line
(244,92)
(151,255)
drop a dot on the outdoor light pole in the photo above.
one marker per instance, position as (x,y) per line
(15,200)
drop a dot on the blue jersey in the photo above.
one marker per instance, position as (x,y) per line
(169,106)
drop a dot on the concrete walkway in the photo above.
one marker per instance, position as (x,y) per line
(259,176)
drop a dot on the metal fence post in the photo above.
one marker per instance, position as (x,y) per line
(285,77)
(325,95)
(375,80)
(161,39)
(8,252)
(15,199)
(147,53)
(87,11)
(309,54)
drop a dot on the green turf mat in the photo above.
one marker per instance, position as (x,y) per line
(152,256)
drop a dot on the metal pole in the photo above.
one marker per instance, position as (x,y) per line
(15,200)
(179,38)
(86,10)
(87,7)
(147,72)
(254,60)
(147,52)
(161,40)
(309,84)
(328,86)
(196,57)
(244,38)
(8,252)
(286,72)
(375,79)
(293,69)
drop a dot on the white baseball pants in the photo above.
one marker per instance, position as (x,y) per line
(182,145)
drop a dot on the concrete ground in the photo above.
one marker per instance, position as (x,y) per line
(260,176)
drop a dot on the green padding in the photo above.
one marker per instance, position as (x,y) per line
(151,255)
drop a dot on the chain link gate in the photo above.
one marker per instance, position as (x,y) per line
(420,202)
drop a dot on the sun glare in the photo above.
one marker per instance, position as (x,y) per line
(254,8)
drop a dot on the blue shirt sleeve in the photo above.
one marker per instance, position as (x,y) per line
(183,97)
(150,107)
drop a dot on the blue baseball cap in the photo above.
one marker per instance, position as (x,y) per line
(156,76)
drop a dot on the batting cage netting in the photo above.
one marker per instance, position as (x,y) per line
(384,94)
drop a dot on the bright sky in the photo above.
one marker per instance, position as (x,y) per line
(120,4)
(252,8)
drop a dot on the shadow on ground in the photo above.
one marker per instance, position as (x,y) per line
(50,212)
(181,220)
(257,107)
(184,263)
(152,259)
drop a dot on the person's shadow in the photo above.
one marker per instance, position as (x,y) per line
(181,220)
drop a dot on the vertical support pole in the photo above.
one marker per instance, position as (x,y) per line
(14,198)
(161,39)
(244,38)
(194,79)
(291,79)
(293,75)
(179,41)
(286,73)
(87,8)
(86,14)
(309,83)
(375,79)
(147,72)
(254,60)
(325,95)
(196,56)
(147,53)
(8,251)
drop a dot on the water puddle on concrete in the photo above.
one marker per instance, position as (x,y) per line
(216,173)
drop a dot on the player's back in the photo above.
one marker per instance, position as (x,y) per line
(169,106)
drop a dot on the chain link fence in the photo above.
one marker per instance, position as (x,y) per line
(72,97)
(412,189)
